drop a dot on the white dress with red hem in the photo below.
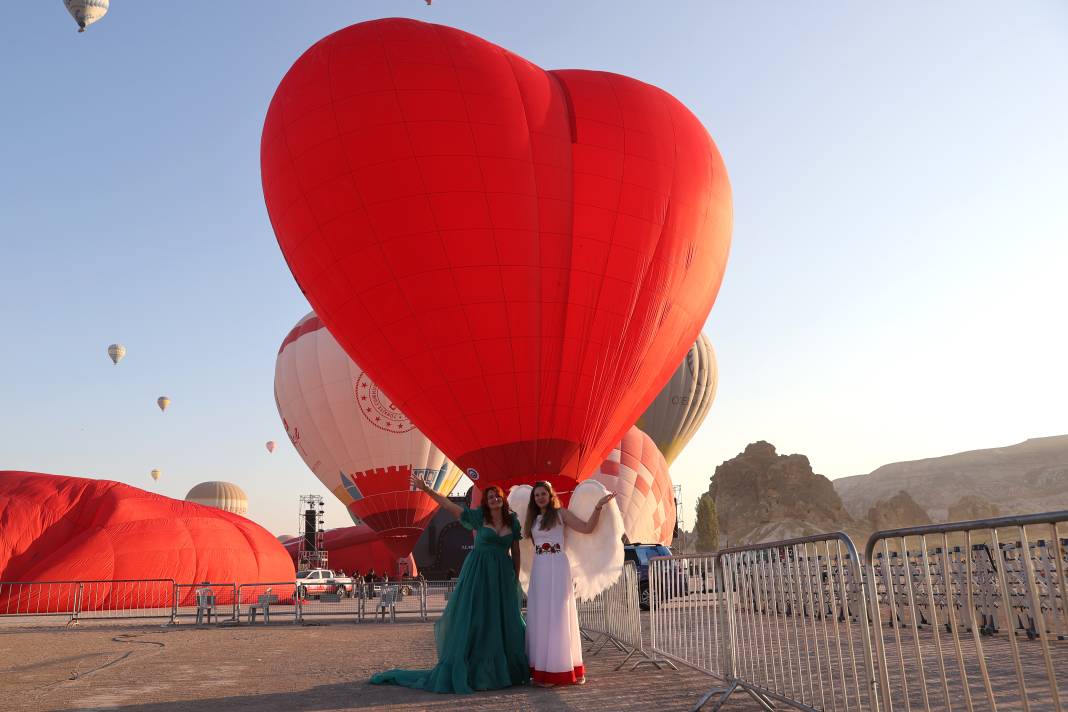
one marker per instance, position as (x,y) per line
(554,645)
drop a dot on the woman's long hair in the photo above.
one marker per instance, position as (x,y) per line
(552,510)
(506,511)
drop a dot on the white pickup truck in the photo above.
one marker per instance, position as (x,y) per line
(319,581)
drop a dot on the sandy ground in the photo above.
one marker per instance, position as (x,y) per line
(155,668)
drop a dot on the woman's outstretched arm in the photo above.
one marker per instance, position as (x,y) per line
(585,527)
(447,504)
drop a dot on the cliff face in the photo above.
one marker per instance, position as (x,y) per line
(763,496)
(1031,476)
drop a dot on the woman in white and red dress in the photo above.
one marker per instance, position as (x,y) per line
(554,645)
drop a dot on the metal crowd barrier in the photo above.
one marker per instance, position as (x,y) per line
(34,602)
(688,604)
(86,600)
(614,616)
(263,601)
(964,620)
(194,600)
(436,595)
(405,597)
(785,621)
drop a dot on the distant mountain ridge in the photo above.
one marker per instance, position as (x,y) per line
(1031,476)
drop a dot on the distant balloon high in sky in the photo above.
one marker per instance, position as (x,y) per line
(163,402)
(520,258)
(638,475)
(354,439)
(155,474)
(86,12)
(116,352)
(674,416)
(270,446)
(222,495)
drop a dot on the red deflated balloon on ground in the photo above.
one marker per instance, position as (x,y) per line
(359,548)
(519,258)
(57,528)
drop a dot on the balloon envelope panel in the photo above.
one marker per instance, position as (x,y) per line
(638,475)
(674,416)
(58,528)
(519,257)
(355,440)
(223,495)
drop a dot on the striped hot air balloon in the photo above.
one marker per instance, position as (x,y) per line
(86,12)
(163,402)
(116,352)
(222,495)
(638,474)
(354,439)
(673,418)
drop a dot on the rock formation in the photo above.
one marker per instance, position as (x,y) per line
(899,511)
(972,506)
(763,496)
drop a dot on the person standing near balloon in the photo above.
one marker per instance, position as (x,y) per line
(554,644)
(481,635)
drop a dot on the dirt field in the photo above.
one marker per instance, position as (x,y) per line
(152,668)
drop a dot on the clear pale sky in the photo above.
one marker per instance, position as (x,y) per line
(896,287)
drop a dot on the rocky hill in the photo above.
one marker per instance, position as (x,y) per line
(763,496)
(1031,476)
(901,510)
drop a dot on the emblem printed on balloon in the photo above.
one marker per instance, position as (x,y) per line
(377,408)
(367,464)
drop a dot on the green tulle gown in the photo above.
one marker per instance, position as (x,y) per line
(481,637)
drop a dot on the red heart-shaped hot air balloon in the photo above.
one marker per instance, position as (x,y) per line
(520,258)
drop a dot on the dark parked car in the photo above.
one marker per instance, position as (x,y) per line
(640,555)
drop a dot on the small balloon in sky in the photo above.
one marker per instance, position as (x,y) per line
(155,475)
(116,352)
(270,446)
(86,12)
(163,402)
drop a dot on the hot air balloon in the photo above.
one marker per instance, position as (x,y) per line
(637,473)
(270,446)
(676,413)
(361,446)
(163,402)
(519,258)
(60,528)
(156,474)
(222,495)
(116,352)
(86,12)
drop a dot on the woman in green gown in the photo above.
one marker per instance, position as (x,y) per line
(481,637)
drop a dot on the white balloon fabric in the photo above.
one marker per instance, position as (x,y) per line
(116,353)
(354,439)
(674,416)
(596,558)
(86,12)
(222,495)
(637,473)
